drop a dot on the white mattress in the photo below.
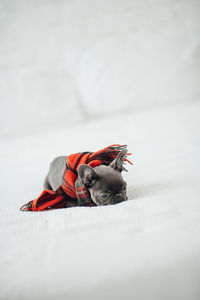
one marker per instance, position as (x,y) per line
(145,248)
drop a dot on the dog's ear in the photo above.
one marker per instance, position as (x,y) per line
(87,175)
(117,163)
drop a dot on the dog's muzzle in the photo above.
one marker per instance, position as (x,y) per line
(118,199)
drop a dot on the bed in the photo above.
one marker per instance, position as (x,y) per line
(79,76)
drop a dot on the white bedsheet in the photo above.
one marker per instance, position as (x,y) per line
(145,248)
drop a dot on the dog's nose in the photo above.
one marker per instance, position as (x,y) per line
(119,199)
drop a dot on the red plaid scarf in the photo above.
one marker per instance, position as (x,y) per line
(72,187)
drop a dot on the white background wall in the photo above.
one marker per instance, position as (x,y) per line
(67,61)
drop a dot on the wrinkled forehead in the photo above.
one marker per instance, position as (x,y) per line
(109,179)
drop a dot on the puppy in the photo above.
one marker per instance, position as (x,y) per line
(104,183)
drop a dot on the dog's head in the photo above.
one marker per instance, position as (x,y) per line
(105,183)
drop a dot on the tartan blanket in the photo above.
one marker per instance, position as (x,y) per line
(72,187)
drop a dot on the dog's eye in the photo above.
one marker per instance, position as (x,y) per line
(104,195)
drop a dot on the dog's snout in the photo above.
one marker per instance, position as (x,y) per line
(119,198)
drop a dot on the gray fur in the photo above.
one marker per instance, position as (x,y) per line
(108,181)
(101,181)
(54,177)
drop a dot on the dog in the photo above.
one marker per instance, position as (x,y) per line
(105,183)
